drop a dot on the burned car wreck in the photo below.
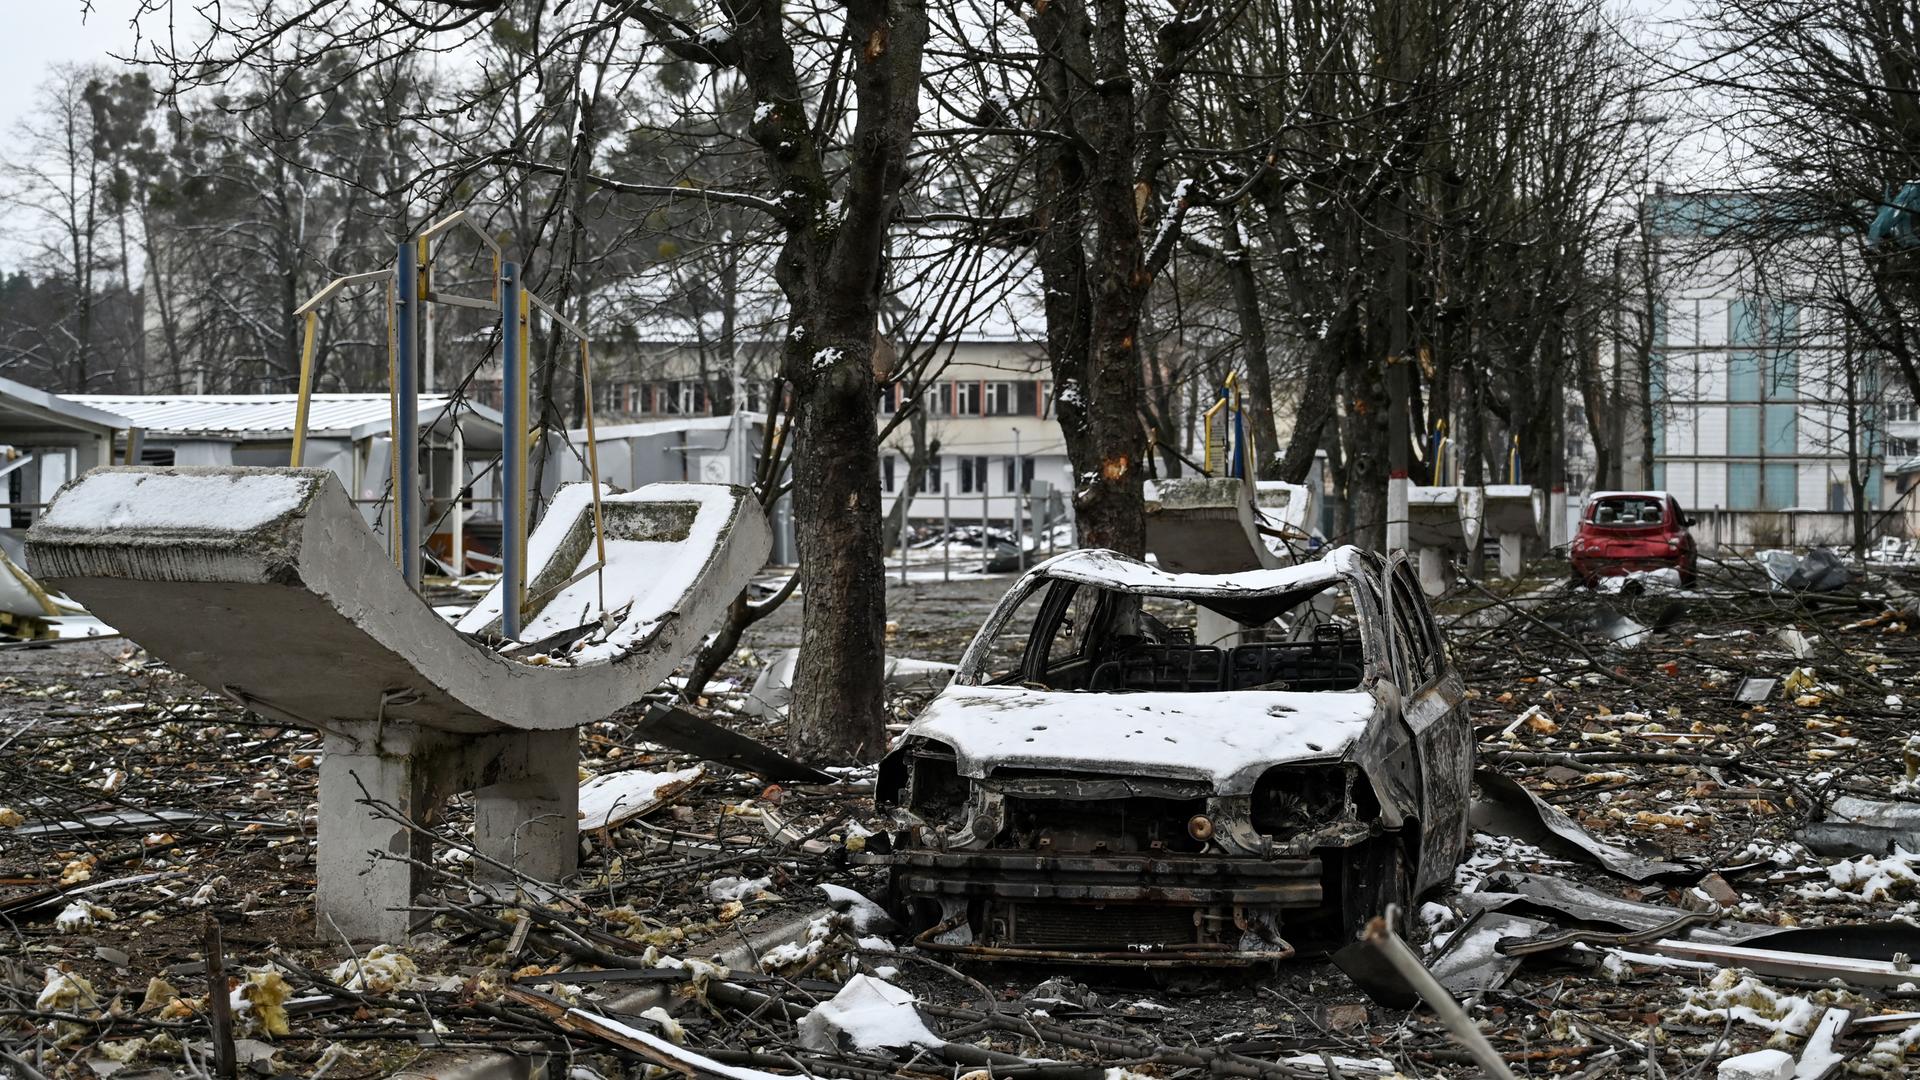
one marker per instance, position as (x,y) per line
(1158,769)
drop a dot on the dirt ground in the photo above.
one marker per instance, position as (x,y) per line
(1618,710)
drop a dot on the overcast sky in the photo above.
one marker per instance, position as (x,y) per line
(37,34)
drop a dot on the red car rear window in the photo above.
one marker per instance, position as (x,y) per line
(1628,511)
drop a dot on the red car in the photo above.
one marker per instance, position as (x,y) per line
(1624,531)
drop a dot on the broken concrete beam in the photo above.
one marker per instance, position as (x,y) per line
(267,586)
(773,688)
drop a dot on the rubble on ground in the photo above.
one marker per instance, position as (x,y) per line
(1746,904)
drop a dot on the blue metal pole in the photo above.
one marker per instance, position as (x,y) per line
(406,440)
(512,461)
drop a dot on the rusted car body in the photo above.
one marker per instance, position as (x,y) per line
(1155,769)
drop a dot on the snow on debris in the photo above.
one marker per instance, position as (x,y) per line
(867,916)
(867,1014)
(611,798)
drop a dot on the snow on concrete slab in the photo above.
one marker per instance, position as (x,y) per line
(643,582)
(224,502)
(612,798)
(1759,1065)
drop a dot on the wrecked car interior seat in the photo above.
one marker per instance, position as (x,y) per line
(1323,664)
(1162,667)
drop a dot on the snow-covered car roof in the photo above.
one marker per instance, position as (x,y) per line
(1112,570)
(1251,596)
(1598,495)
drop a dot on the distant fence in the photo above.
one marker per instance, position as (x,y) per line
(1753,529)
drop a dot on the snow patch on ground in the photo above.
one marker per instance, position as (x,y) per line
(1868,878)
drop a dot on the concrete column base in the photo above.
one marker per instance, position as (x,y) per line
(371,866)
(530,821)
(1510,545)
(1433,571)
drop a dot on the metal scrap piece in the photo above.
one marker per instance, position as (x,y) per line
(676,727)
(1508,809)
(1473,959)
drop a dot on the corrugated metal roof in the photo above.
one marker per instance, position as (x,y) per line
(270,415)
(51,410)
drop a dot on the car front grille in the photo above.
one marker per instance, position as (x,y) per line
(1108,927)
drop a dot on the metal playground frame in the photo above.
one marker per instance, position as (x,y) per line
(410,346)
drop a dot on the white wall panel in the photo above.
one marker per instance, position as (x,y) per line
(1710,487)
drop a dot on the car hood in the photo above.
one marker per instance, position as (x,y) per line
(1227,738)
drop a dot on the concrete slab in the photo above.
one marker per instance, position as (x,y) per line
(1441,522)
(1517,514)
(266,585)
(1206,525)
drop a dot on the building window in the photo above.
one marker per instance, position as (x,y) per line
(1000,399)
(930,479)
(935,400)
(886,472)
(966,398)
(889,399)
(973,475)
(1026,475)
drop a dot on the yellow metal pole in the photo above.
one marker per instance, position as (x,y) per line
(593,470)
(306,391)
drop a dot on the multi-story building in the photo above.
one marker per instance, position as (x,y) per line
(990,428)
(1765,414)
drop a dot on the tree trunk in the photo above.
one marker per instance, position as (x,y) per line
(837,685)
(1367,444)
(1253,352)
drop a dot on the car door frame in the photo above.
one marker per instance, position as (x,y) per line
(1434,710)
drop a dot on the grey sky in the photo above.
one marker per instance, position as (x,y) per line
(37,34)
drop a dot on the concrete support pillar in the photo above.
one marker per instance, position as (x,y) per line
(1510,545)
(1397,526)
(529,820)
(1433,571)
(361,872)
(526,801)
